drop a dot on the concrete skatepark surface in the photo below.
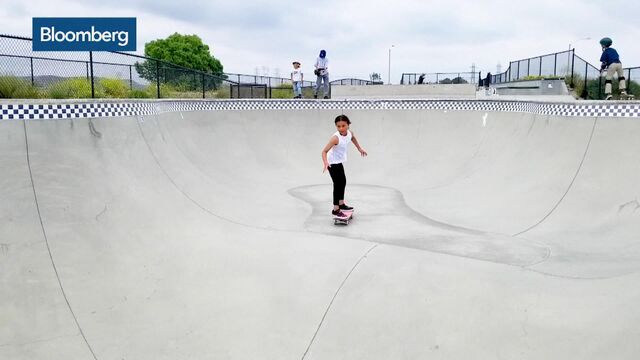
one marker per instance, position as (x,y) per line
(207,235)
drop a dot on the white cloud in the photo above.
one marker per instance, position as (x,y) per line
(429,36)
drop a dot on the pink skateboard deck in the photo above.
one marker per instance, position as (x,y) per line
(341,221)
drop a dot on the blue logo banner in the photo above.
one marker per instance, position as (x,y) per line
(84,34)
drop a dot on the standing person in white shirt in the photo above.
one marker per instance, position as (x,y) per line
(322,73)
(297,77)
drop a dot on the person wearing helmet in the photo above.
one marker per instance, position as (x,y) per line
(611,64)
(322,73)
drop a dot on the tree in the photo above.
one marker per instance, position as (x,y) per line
(459,80)
(183,50)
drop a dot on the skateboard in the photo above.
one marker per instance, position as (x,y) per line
(339,221)
(623,97)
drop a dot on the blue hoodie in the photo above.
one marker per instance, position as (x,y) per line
(609,56)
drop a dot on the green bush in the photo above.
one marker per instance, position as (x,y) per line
(541,77)
(73,88)
(223,92)
(114,88)
(138,94)
(595,87)
(283,91)
(633,88)
(12,87)
(166,90)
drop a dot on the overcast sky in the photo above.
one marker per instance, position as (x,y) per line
(429,36)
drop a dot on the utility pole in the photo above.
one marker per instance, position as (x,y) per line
(389,73)
(473,73)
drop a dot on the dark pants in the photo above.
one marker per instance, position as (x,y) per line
(339,182)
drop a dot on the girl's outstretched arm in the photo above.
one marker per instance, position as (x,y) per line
(332,142)
(355,142)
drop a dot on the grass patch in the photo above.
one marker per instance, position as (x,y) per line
(12,87)
(595,87)
(72,88)
(114,88)
(282,91)
(541,77)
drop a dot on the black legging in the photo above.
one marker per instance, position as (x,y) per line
(339,182)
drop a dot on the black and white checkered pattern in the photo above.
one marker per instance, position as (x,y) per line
(68,111)
(114,109)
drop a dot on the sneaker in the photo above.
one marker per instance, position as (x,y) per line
(326,97)
(345,207)
(609,97)
(623,93)
(315,96)
(339,214)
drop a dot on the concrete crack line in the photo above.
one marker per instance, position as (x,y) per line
(101,212)
(334,298)
(575,176)
(46,240)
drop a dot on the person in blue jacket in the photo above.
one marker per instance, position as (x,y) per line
(322,74)
(611,64)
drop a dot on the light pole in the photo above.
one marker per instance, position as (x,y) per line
(569,55)
(389,73)
(587,38)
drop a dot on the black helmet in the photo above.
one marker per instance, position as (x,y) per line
(606,42)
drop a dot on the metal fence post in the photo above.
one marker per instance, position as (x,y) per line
(585,91)
(93,93)
(540,71)
(203,88)
(158,77)
(32,79)
(555,64)
(599,87)
(528,66)
(573,59)
(130,78)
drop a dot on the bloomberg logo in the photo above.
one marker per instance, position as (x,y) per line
(84,34)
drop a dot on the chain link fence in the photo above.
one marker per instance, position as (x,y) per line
(584,78)
(62,75)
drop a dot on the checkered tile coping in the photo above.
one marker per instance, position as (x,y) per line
(99,109)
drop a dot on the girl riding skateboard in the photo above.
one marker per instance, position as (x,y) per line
(333,155)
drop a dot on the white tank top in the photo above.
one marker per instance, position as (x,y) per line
(338,153)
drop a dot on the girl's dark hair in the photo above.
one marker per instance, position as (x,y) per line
(342,118)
